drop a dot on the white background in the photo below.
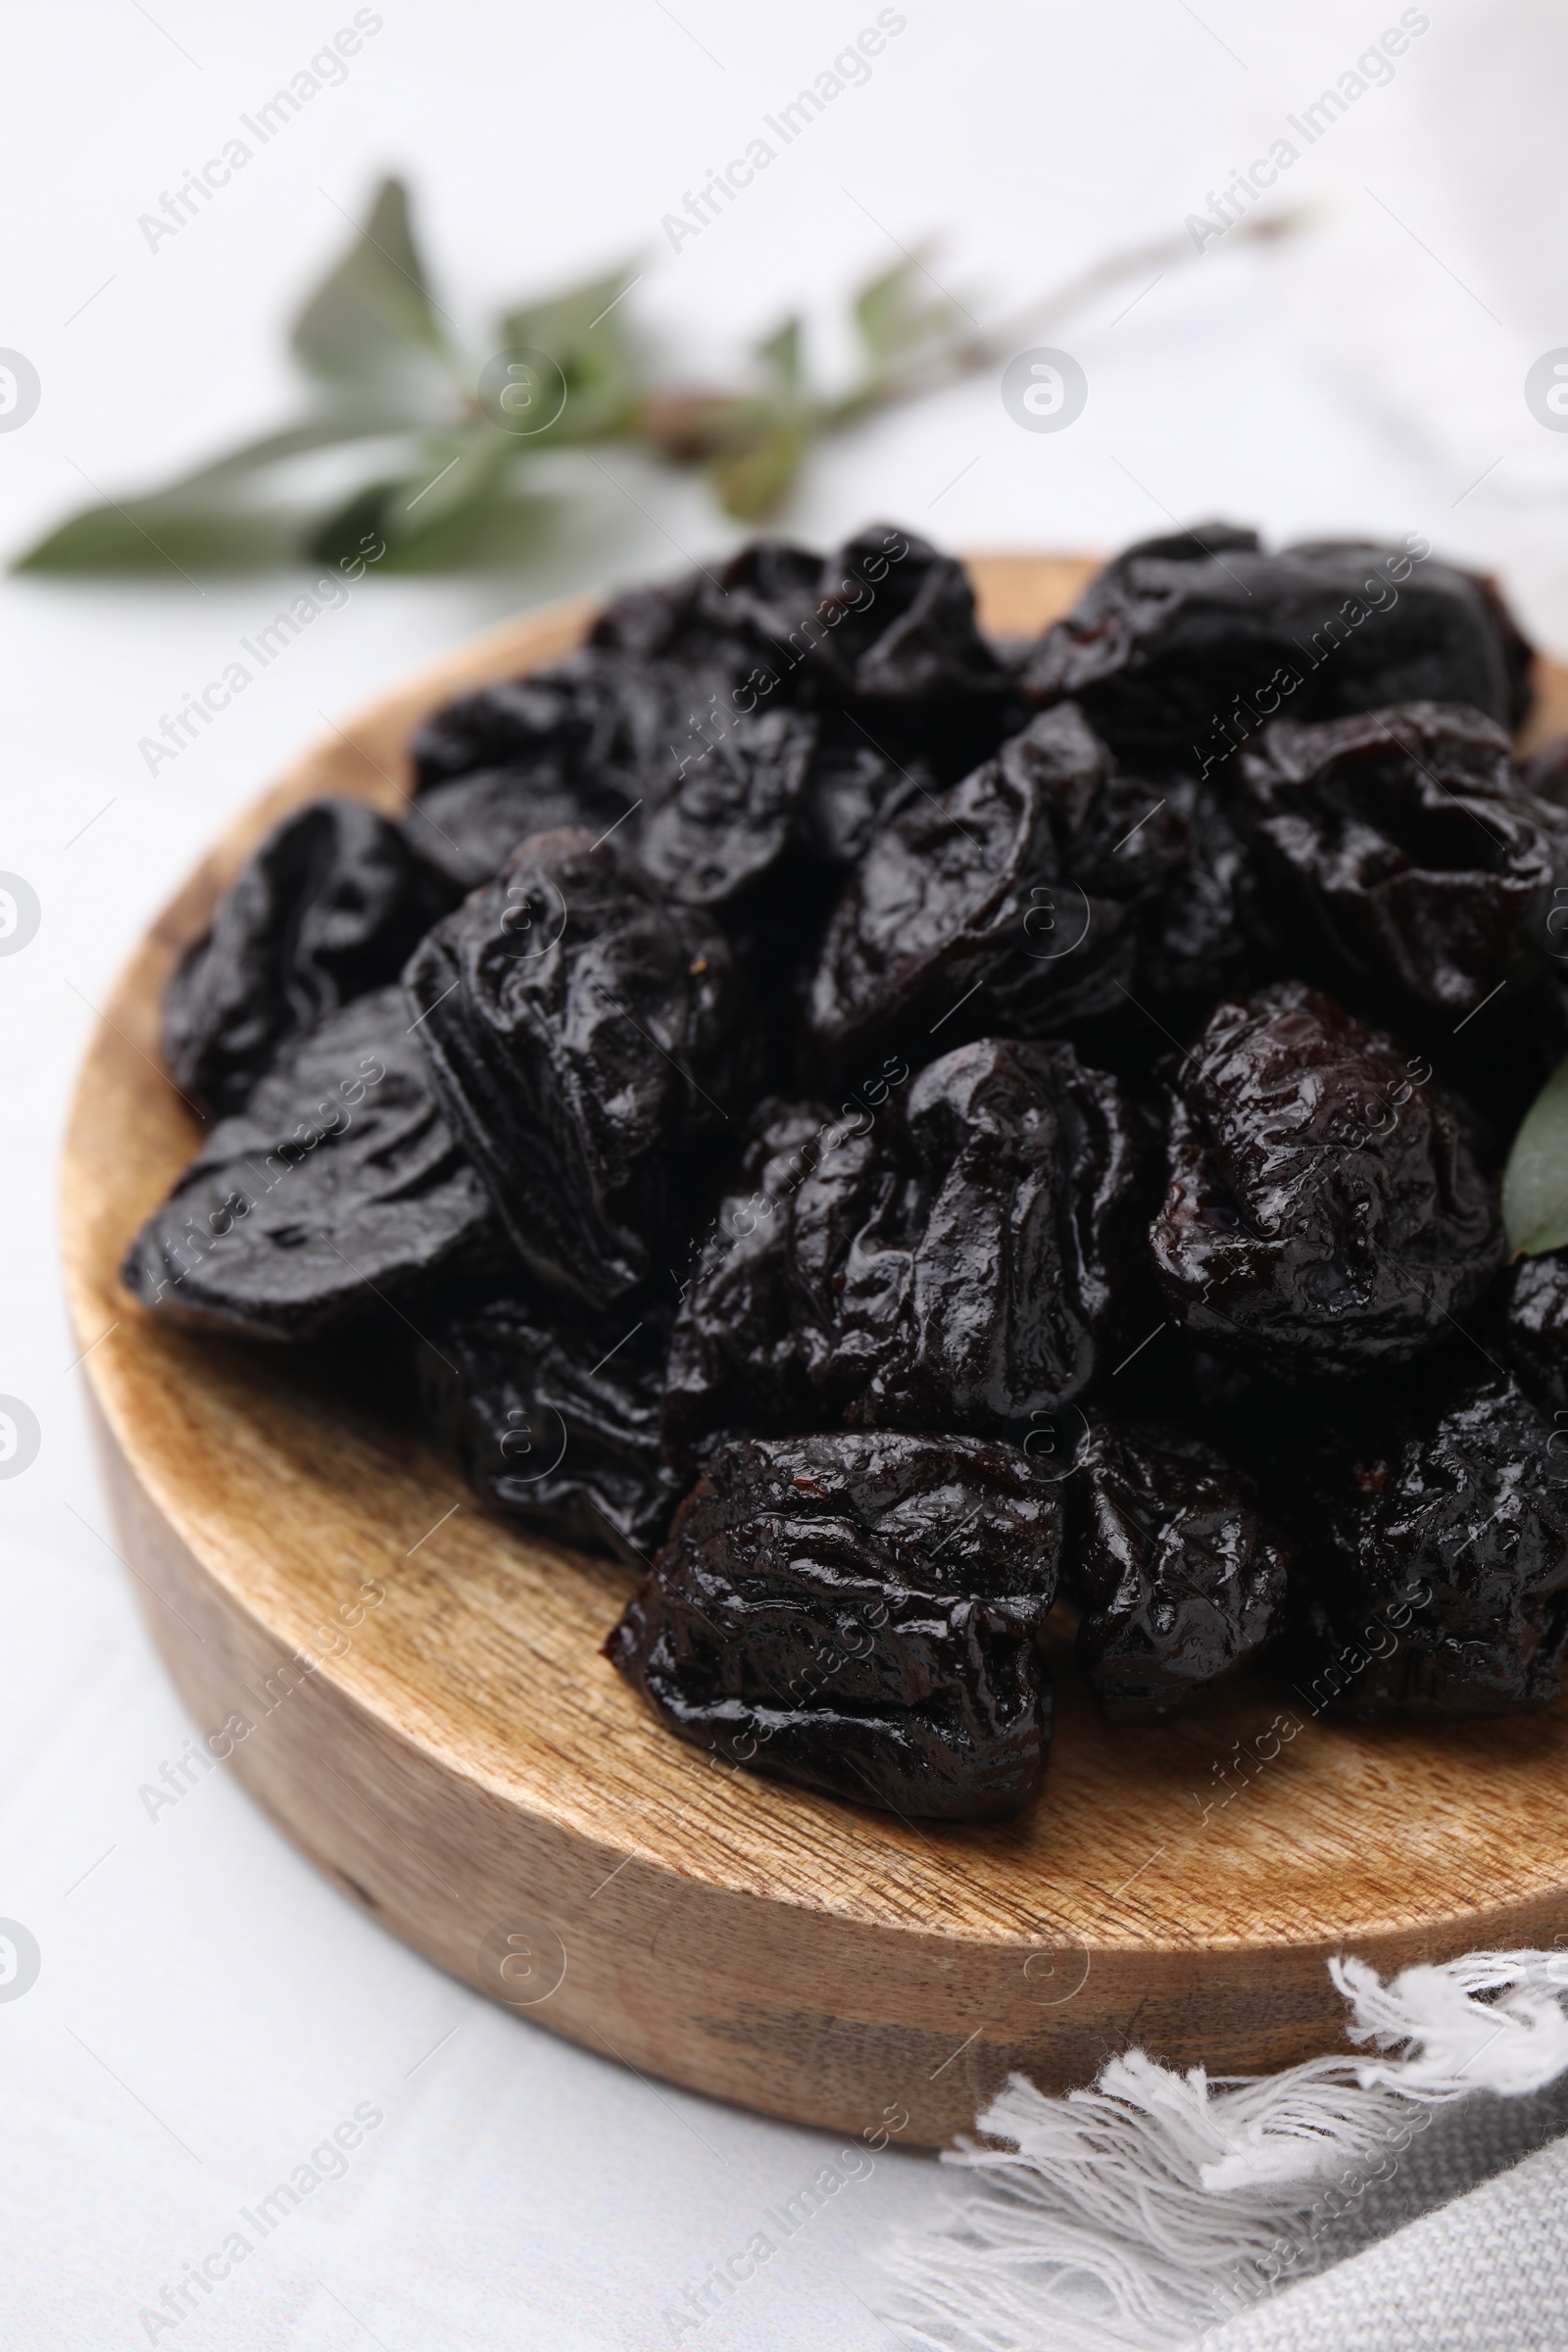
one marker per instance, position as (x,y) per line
(207,2007)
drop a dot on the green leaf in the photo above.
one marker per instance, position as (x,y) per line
(1535,1183)
(780,355)
(585,331)
(754,483)
(372,324)
(429,517)
(898,316)
(171,532)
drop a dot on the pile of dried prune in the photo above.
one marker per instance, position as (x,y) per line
(869,1126)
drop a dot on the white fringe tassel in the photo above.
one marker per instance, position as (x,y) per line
(1148,2210)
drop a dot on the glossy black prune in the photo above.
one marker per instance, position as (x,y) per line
(1411,862)
(719,818)
(858,1614)
(553,1414)
(886,618)
(1184,645)
(328,908)
(970,1261)
(338,1187)
(734,1366)
(1179,1576)
(566,746)
(1435,1562)
(1534,1330)
(1211,931)
(1011,903)
(1324,1213)
(584,1037)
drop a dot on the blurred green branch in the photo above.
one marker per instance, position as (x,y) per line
(441,474)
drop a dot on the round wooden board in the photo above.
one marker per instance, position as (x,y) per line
(461,1760)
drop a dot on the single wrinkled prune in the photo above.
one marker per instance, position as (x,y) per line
(885,617)
(1324,1213)
(1535,1329)
(882,632)
(1179,1576)
(1408,856)
(734,1364)
(1435,1562)
(1546,774)
(852,786)
(859,1614)
(584,1036)
(1013,897)
(1211,931)
(566,745)
(337,1186)
(553,1414)
(1185,645)
(970,1262)
(721,817)
(468,827)
(328,908)
(731,621)
(565,723)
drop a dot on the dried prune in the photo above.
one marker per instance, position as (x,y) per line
(1324,1212)
(882,631)
(584,1037)
(716,820)
(1411,862)
(553,1414)
(858,1614)
(851,788)
(339,1185)
(1211,931)
(735,1365)
(1010,902)
(1535,1329)
(567,746)
(328,908)
(1179,1576)
(970,1262)
(1184,645)
(1435,1562)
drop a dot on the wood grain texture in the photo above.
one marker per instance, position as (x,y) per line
(466,1765)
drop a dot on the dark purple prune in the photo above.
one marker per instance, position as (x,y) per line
(717,821)
(329,907)
(885,618)
(563,725)
(1545,773)
(1183,646)
(338,1186)
(553,1414)
(1210,932)
(566,746)
(1409,859)
(1012,899)
(972,1262)
(1324,1213)
(731,621)
(1435,1562)
(851,789)
(468,827)
(734,1366)
(1178,1575)
(1535,1329)
(859,1614)
(584,1037)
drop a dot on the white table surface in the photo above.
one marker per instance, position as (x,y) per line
(207,2007)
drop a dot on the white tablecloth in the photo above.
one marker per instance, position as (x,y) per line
(208,2009)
